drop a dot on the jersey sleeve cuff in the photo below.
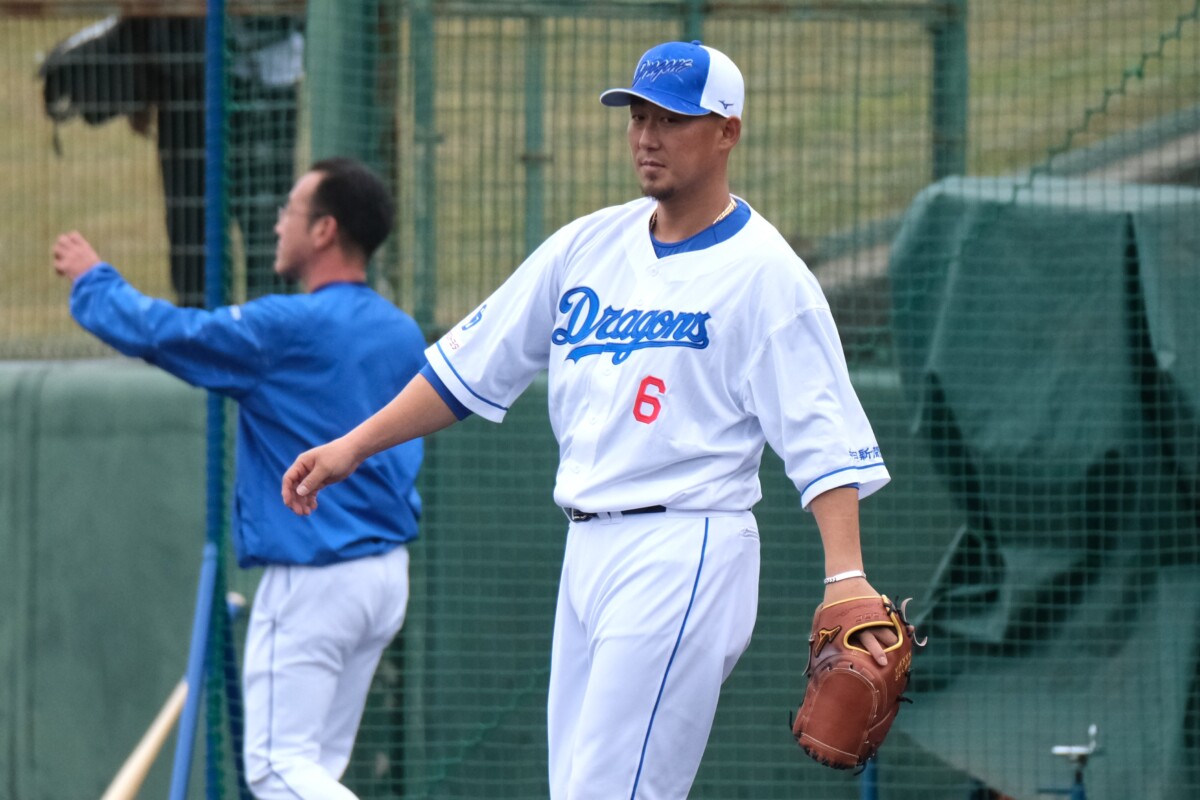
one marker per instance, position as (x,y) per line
(455,385)
(868,478)
(461,412)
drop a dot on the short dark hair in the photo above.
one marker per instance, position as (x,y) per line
(351,193)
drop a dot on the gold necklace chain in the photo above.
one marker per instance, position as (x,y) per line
(729,209)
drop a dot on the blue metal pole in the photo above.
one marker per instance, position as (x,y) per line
(214,161)
(181,772)
(214,296)
(868,782)
(1077,790)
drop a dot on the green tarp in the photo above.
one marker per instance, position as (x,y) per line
(1046,332)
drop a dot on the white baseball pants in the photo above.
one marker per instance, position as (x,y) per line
(315,637)
(653,612)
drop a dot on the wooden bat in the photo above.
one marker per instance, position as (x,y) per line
(128,780)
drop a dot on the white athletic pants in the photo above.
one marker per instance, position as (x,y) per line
(316,635)
(653,612)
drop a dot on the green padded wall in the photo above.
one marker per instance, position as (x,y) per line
(101,508)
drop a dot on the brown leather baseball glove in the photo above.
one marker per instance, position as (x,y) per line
(851,700)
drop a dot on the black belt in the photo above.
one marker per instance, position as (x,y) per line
(575,515)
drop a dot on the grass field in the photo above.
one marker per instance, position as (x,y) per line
(837,133)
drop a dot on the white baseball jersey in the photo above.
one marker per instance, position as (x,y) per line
(667,376)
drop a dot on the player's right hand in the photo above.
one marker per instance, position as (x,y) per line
(313,470)
(73,255)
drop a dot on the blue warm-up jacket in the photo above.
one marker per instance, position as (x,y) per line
(304,369)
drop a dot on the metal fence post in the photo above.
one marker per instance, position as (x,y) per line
(950,91)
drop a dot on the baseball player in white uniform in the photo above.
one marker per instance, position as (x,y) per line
(681,334)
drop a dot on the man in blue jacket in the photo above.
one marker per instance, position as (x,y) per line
(303,368)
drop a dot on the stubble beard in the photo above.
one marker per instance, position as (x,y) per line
(661,195)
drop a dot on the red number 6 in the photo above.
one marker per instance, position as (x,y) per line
(645,405)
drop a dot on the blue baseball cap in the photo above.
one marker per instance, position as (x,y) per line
(687,78)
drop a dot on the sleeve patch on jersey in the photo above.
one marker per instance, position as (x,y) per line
(865,453)
(474,320)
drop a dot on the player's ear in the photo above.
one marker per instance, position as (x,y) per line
(731,131)
(324,230)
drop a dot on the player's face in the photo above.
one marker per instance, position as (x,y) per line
(294,248)
(673,152)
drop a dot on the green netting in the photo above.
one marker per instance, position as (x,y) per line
(1000,200)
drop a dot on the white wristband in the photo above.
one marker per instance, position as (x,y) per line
(842,576)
